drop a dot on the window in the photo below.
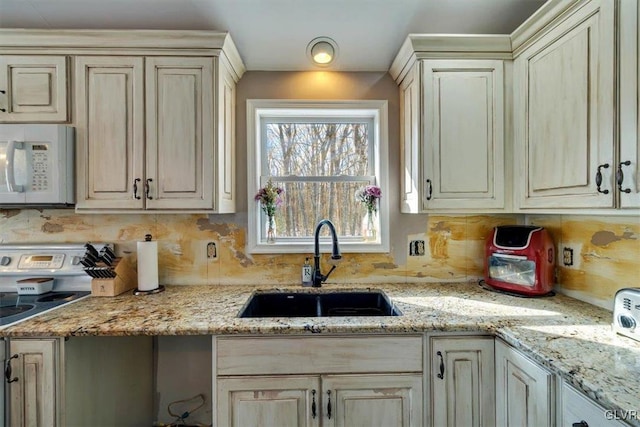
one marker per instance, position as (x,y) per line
(321,153)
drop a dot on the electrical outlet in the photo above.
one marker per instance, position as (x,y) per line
(567,256)
(212,251)
(416,248)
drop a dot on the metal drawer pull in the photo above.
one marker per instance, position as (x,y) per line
(620,177)
(313,404)
(441,374)
(329,404)
(135,188)
(7,370)
(429,189)
(147,189)
(599,178)
(582,423)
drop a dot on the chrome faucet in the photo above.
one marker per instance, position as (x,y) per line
(318,277)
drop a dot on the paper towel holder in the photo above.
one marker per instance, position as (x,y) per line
(160,288)
(157,290)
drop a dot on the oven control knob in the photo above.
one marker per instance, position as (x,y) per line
(5,260)
(627,322)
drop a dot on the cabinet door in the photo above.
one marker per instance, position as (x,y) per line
(628,169)
(371,400)
(463,134)
(462,381)
(179,154)
(564,113)
(577,409)
(524,391)
(279,401)
(110,132)
(33,395)
(35,89)
(411,179)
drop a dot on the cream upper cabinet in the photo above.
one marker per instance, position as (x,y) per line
(463,142)
(167,164)
(462,381)
(154,112)
(525,392)
(452,109)
(156,133)
(179,161)
(628,165)
(564,113)
(109,132)
(33,88)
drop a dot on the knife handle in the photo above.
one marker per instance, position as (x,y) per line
(147,188)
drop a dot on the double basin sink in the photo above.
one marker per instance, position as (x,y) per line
(329,304)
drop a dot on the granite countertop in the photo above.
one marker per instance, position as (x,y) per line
(569,337)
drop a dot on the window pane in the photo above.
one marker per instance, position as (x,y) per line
(317,149)
(306,203)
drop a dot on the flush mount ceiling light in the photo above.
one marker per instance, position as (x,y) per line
(322,51)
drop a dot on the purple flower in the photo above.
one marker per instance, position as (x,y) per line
(270,197)
(369,196)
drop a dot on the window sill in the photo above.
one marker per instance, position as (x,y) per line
(284,247)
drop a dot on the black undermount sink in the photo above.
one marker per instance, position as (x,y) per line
(329,304)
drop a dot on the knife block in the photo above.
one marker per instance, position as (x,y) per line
(126,279)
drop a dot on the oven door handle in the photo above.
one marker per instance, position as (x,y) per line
(507,256)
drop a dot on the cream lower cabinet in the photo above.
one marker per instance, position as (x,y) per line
(328,381)
(453,135)
(564,91)
(580,411)
(525,392)
(87,381)
(33,88)
(327,400)
(33,372)
(462,381)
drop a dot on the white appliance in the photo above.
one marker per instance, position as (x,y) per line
(36,165)
(626,313)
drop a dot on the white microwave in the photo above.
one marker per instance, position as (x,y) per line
(36,165)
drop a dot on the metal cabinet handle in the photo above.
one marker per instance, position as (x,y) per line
(329,404)
(2,91)
(7,370)
(135,188)
(599,178)
(620,177)
(147,188)
(313,404)
(4,110)
(582,423)
(441,374)
(429,189)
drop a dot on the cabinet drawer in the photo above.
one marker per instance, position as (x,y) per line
(577,408)
(307,355)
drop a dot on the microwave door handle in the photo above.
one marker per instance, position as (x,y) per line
(507,256)
(10,177)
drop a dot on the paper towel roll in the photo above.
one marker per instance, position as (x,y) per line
(147,264)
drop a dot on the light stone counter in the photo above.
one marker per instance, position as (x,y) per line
(569,337)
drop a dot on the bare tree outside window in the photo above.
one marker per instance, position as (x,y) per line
(320,166)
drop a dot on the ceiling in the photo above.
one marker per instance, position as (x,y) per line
(273,34)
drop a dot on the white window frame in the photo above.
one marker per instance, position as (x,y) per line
(259,108)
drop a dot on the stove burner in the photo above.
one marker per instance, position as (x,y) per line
(59,296)
(10,310)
